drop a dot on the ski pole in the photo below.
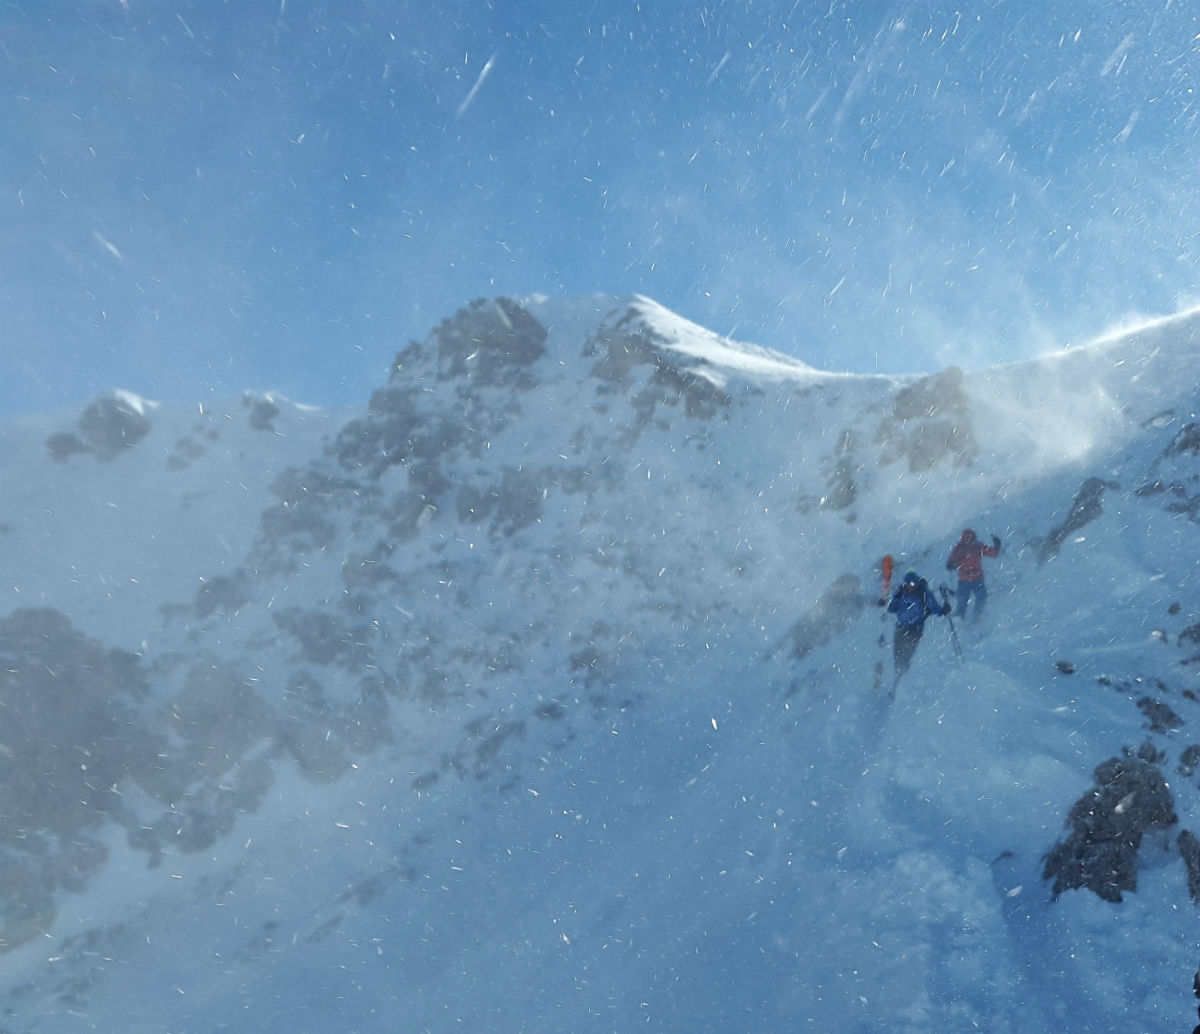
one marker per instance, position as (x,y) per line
(946,594)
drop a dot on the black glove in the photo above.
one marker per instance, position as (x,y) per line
(881,602)
(945,609)
(949,565)
(995,544)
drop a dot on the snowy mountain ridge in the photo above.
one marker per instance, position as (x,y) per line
(585,594)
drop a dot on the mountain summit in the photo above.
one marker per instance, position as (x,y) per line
(537,694)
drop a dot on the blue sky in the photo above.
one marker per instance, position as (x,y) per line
(200,197)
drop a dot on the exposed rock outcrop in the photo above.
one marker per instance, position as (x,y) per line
(930,423)
(1085,507)
(1107,825)
(111,423)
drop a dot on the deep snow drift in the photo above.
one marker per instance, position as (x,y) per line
(538,694)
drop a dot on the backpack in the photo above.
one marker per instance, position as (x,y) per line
(910,604)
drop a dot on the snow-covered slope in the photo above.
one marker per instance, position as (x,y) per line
(538,694)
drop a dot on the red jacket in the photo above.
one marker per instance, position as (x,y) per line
(967,557)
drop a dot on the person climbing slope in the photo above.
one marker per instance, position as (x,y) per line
(912,604)
(967,559)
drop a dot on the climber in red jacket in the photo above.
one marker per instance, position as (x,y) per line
(967,559)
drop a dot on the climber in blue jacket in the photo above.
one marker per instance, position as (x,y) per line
(912,604)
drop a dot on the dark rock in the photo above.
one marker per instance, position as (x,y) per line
(1189,847)
(1188,760)
(1086,507)
(1161,717)
(1106,829)
(109,424)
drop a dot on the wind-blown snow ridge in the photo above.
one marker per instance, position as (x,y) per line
(1136,325)
(501,700)
(717,353)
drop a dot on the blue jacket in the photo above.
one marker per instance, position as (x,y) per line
(912,608)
